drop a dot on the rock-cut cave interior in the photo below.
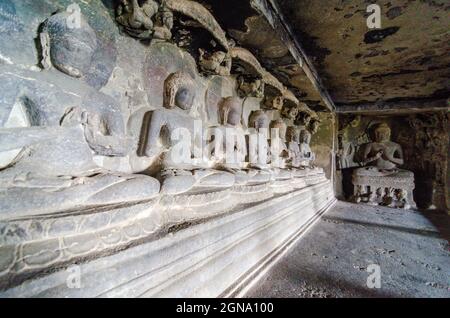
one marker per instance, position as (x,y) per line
(217,149)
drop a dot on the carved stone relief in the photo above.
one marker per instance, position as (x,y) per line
(89,161)
(380,174)
(422,137)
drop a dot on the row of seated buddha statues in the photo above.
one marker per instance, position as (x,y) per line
(57,128)
(225,153)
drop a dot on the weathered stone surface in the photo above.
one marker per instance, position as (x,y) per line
(90,122)
(168,266)
(423,138)
(41,253)
(7,257)
(405,59)
(80,244)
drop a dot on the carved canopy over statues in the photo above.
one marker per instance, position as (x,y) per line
(150,19)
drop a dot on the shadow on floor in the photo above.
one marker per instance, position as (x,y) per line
(318,285)
(424,232)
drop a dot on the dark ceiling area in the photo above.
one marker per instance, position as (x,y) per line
(406,60)
(250,29)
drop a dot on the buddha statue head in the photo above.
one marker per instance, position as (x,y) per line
(292,134)
(179,90)
(259,120)
(68,46)
(304,137)
(281,126)
(230,111)
(382,133)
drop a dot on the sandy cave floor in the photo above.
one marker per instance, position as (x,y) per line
(332,258)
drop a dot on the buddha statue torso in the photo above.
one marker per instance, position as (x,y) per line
(382,155)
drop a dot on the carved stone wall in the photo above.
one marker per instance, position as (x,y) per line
(424,138)
(95,98)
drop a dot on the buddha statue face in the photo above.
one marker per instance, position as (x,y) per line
(259,119)
(305,137)
(382,133)
(179,90)
(231,111)
(292,134)
(185,98)
(70,49)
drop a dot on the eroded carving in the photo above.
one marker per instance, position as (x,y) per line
(137,20)
(216,63)
(64,126)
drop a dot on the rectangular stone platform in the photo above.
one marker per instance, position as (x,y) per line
(216,257)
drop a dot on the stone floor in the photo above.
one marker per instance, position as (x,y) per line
(331,260)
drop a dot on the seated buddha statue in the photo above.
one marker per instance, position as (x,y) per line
(382,156)
(55,124)
(381,174)
(231,149)
(174,143)
(306,154)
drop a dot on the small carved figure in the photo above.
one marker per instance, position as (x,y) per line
(306,154)
(137,19)
(290,112)
(250,88)
(278,130)
(274,102)
(216,63)
(258,147)
(163,24)
(303,119)
(314,125)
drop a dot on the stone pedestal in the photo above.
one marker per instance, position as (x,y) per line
(155,249)
(394,189)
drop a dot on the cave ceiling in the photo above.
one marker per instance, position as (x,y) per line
(250,29)
(406,61)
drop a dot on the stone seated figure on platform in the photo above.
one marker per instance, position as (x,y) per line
(307,156)
(231,150)
(293,139)
(175,144)
(279,150)
(381,174)
(53,125)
